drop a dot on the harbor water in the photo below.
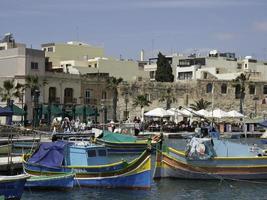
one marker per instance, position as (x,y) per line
(165,188)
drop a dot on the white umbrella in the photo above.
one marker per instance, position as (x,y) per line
(234,113)
(217,113)
(203,112)
(158,112)
(175,112)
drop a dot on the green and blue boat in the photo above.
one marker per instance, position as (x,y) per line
(90,164)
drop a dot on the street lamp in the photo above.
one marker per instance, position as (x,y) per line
(126,100)
(255,99)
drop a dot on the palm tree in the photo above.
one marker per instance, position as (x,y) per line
(200,104)
(169,97)
(32,83)
(112,84)
(142,101)
(9,91)
(240,82)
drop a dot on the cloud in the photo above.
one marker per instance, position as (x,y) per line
(224,36)
(261,26)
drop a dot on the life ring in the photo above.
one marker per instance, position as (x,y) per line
(200,148)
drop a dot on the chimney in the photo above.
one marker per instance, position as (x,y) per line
(142,55)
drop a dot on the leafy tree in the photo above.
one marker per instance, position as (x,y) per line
(113,84)
(200,104)
(164,70)
(142,101)
(240,83)
(169,97)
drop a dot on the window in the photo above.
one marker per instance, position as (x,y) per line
(209,88)
(68,95)
(152,74)
(91,153)
(52,95)
(89,66)
(246,66)
(147,97)
(50,49)
(265,89)
(252,89)
(95,65)
(224,88)
(87,96)
(185,75)
(104,95)
(102,152)
(34,65)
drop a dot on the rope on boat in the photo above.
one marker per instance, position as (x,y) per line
(77,181)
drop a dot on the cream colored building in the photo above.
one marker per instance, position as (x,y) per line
(80,58)
(57,52)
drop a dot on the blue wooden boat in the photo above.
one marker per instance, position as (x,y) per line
(61,181)
(91,165)
(11,187)
(211,158)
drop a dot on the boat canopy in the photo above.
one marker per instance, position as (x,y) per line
(49,154)
(117,137)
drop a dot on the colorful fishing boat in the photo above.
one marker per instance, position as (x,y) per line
(91,165)
(211,158)
(55,182)
(11,187)
(121,143)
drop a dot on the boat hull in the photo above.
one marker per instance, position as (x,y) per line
(12,187)
(136,174)
(51,182)
(174,164)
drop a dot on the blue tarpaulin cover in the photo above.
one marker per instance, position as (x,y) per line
(264,123)
(49,154)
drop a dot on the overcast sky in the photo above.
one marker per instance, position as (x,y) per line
(124,27)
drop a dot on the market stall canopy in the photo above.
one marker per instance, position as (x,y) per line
(158,112)
(16,110)
(217,113)
(5,111)
(235,114)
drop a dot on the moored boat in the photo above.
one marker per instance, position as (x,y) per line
(121,143)
(55,182)
(210,158)
(90,164)
(11,187)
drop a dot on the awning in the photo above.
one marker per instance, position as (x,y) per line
(5,111)
(16,110)
(87,110)
(54,109)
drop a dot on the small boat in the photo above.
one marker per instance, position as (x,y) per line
(91,165)
(211,158)
(11,187)
(5,149)
(60,181)
(121,143)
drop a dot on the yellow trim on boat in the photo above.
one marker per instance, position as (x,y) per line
(182,153)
